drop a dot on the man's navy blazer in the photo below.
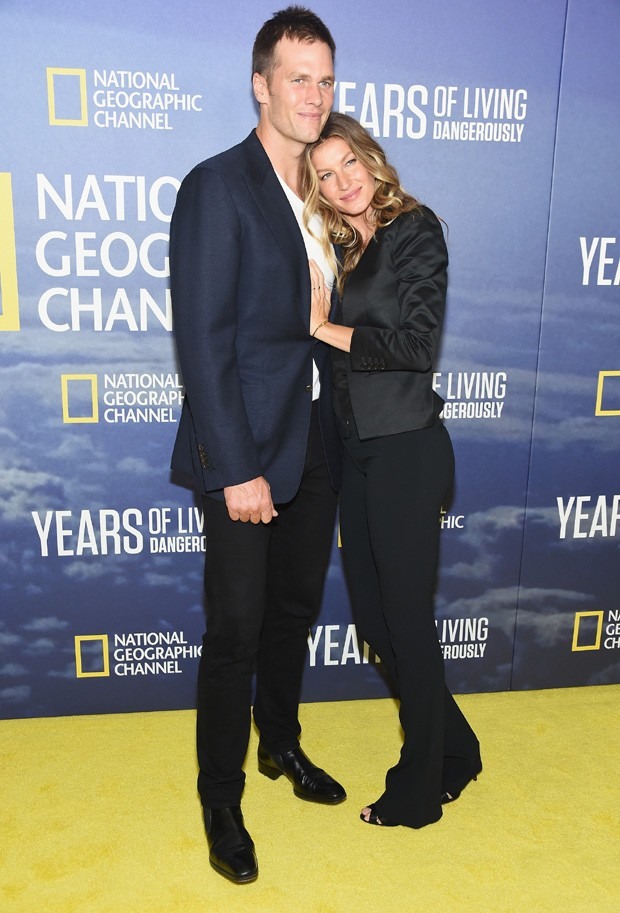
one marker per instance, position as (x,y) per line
(240,287)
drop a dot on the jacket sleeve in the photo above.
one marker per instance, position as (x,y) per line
(204,266)
(419,260)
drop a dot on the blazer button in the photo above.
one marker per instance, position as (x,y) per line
(308,388)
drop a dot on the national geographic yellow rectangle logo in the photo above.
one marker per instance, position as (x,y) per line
(9,302)
(592,634)
(104,669)
(66,95)
(613,394)
(80,403)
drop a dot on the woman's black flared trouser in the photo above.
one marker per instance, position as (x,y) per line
(393,490)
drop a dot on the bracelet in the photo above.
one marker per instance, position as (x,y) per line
(316,329)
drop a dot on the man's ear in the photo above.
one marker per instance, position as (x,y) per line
(259,85)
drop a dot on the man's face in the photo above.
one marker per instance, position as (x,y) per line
(297,98)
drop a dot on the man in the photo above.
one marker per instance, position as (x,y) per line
(260,445)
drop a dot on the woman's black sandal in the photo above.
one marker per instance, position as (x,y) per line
(374,818)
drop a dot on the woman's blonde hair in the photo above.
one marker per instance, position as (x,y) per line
(388,202)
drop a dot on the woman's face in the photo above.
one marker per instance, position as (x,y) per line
(343,180)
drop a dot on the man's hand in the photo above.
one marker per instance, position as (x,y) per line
(250,501)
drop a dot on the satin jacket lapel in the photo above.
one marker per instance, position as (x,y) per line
(276,209)
(335,306)
(368,264)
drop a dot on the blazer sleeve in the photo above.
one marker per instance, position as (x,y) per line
(204,266)
(419,261)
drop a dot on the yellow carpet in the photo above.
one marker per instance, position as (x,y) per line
(99,814)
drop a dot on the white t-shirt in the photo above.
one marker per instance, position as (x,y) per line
(315,252)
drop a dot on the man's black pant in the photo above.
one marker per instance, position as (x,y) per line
(263,585)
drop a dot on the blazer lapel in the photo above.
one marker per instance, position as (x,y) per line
(279,216)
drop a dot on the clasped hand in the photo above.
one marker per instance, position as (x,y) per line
(250,501)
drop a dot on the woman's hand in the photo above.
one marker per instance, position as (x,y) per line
(320,301)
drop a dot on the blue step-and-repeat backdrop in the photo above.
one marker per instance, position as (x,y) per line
(501,116)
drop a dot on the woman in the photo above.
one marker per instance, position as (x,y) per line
(399,463)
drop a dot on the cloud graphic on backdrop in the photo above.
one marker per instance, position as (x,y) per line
(20,489)
(482,536)
(18,695)
(13,670)
(46,624)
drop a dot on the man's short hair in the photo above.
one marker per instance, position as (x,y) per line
(294,22)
